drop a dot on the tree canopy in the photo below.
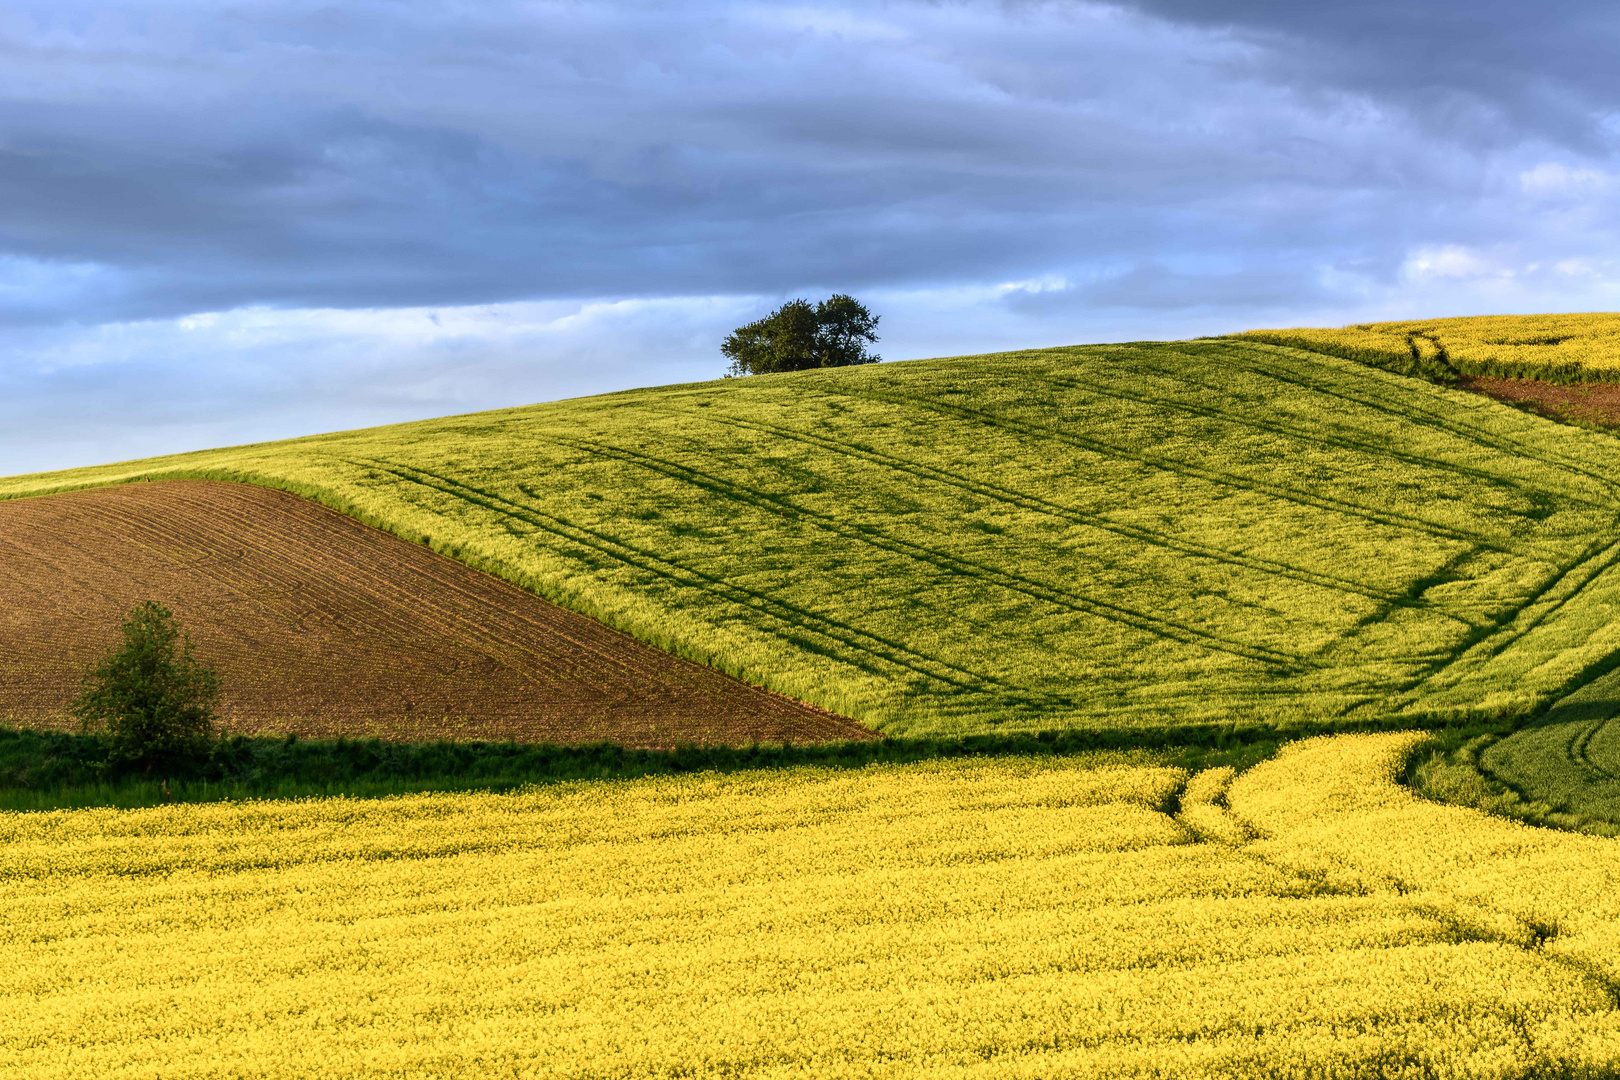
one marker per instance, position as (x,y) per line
(797,337)
(154,699)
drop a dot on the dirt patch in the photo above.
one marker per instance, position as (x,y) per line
(1596,404)
(322,626)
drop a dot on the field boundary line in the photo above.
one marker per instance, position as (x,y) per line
(772,607)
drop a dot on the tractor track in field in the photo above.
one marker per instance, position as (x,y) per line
(882,655)
(322,626)
(1421,417)
(1113,451)
(1577,748)
(956,565)
(1492,640)
(1302,434)
(1035,503)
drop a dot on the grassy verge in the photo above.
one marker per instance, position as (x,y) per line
(50,770)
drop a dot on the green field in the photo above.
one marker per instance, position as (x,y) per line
(1572,769)
(1564,773)
(1219,532)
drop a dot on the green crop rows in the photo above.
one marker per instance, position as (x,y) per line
(1214,532)
(1571,770)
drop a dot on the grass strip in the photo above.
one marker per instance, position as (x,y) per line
(45,770)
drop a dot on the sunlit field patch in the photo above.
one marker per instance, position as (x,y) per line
(1560,348)
(1008,918)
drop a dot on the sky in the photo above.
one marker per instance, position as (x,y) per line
(224,223)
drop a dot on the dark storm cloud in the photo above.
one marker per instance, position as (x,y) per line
(998,174)
(378,155)
(1490,70)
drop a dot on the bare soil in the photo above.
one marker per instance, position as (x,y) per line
(321,626)
(1597,404)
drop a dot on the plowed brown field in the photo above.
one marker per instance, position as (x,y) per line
(322,626)
(1592,403)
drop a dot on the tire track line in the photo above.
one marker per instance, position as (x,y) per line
(953,564)
(1415,414)
(1310,437)
(1577,748)
(454,602)
(1025,501)
(198,538)
(794,617)
(1113,451)
(1492,641)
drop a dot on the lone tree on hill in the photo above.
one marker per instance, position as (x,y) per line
(152,697)
(796,337)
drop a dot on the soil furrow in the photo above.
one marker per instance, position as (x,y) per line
(321,626)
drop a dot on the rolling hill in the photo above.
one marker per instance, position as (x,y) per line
(1221,532)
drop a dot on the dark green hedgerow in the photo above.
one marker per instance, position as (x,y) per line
(51,770)
(43,771)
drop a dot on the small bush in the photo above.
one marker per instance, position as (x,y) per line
(150,697)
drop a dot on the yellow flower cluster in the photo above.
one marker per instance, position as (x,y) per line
(1330,809)
(1010,918)
(1561,348)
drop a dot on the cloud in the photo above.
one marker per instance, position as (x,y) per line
(1452,262)
(201,158)
(78,395)
(1485,71)
(1557,180)
(259,209)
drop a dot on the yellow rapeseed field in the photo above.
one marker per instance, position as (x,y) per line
(1007,918)
(1556,348)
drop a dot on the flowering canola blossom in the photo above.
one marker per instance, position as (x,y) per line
(1583,347)
(1008,918)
